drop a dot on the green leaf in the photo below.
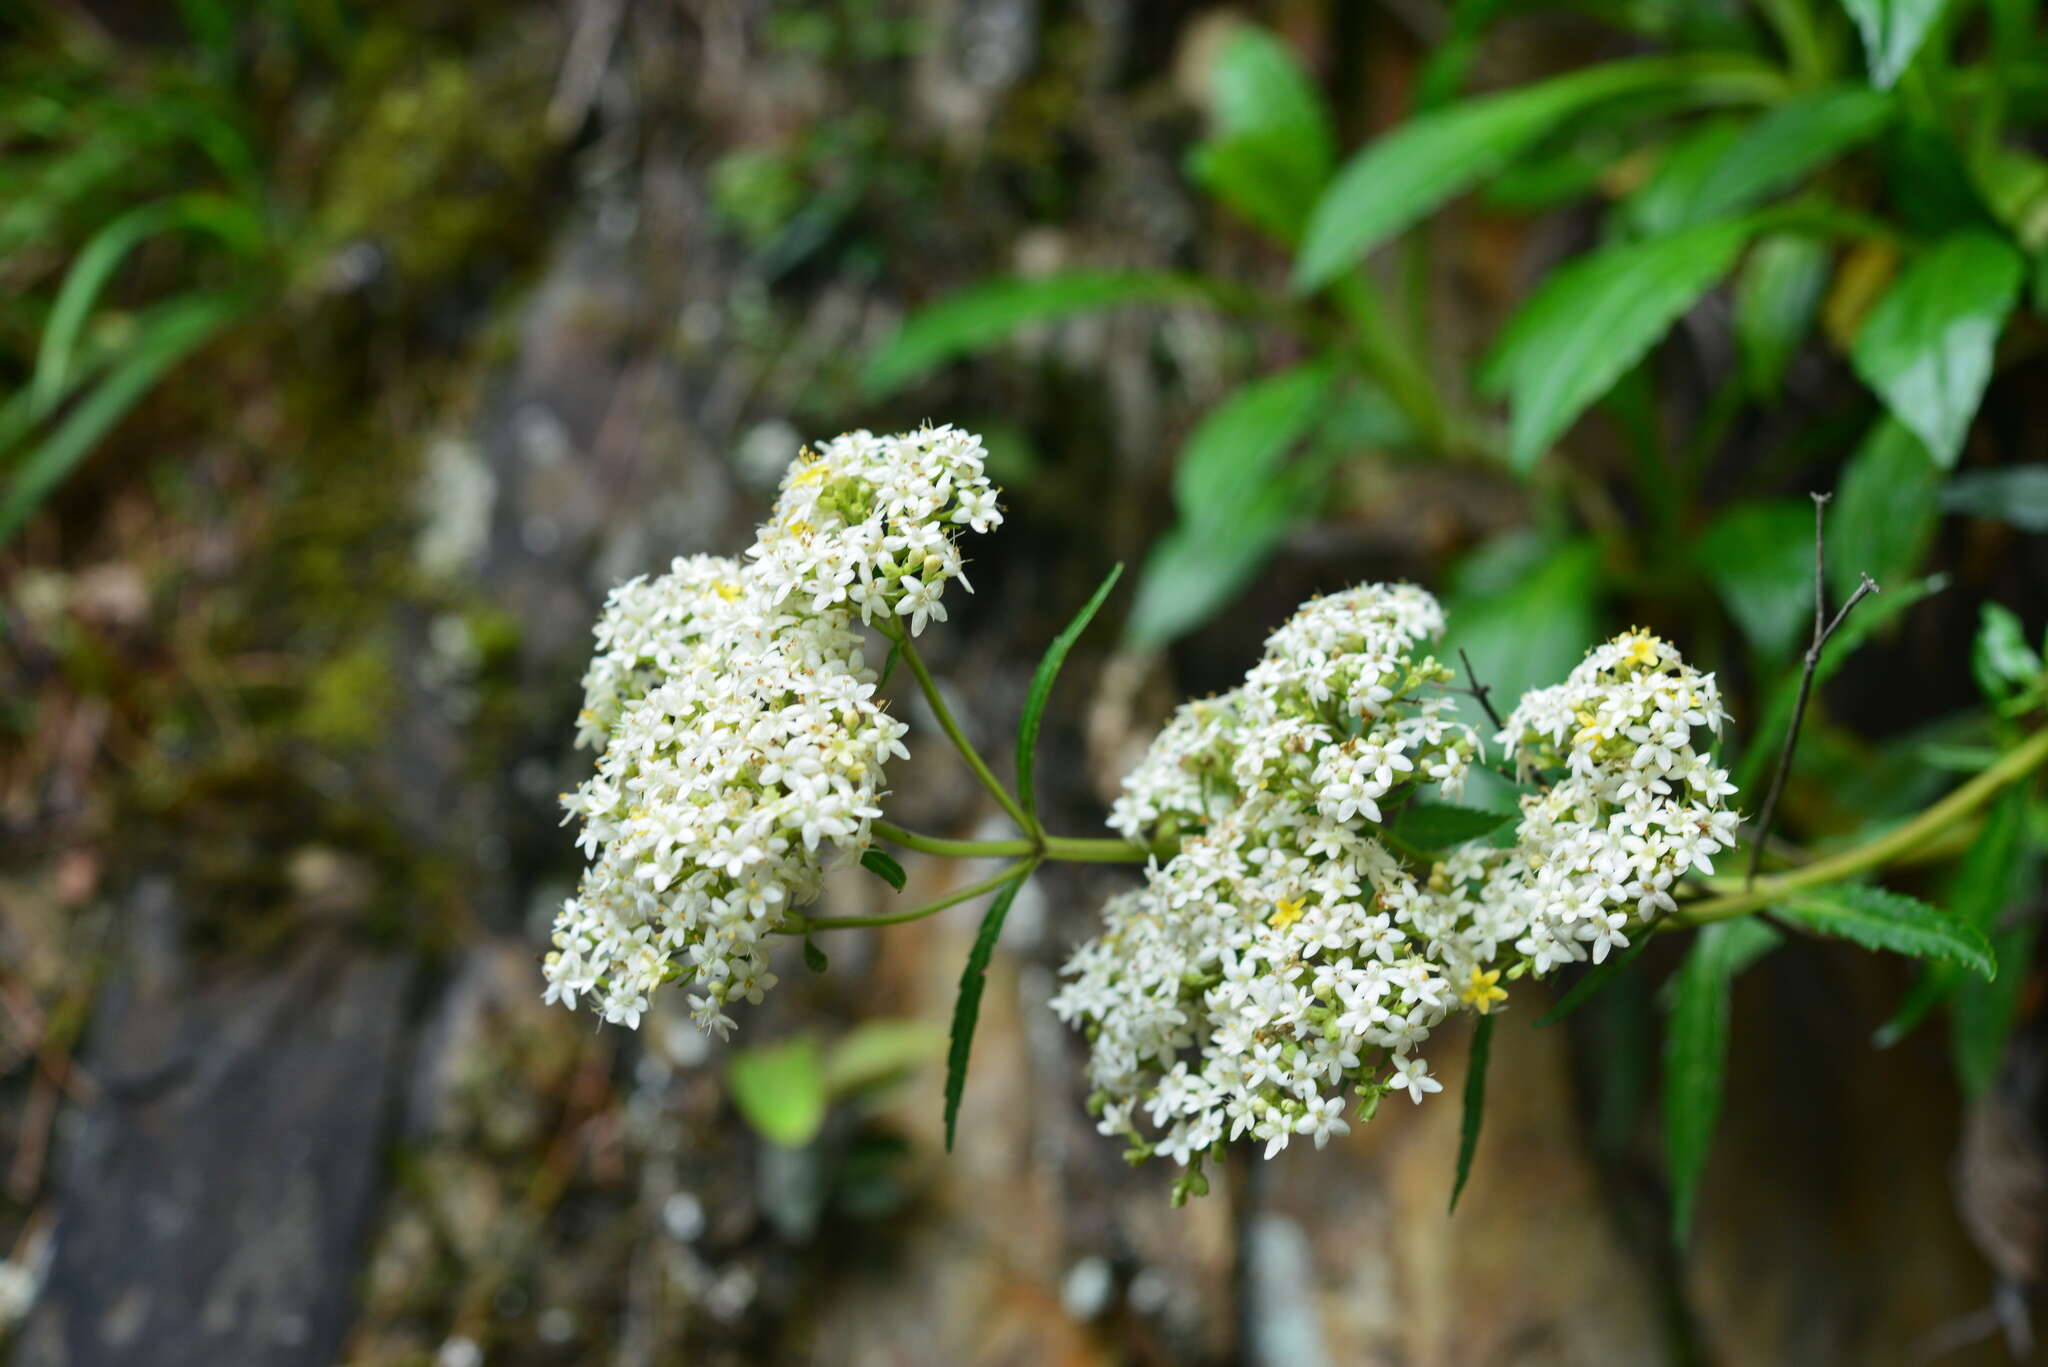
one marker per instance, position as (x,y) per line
(889,664)
(1450,60)
(1777,296)
(1926,348)
(883,867)
(1884,514)
(1594,319)
(1665,202)
(103,254)
(1986,882)
(1528,631)
(1041,691)
(1595,979)
(1696,1053)
(1437,826)
(1878,918)
(1273,150)
(780,1090)
(2018,495)
(980,317)
(1759,557)
(878,1051)
(1892,32)
(1410,171)
(1475,1103)
(967,1006)
(1785,145)
(1982,1015)
(2002,660)
(173,332)
(814,957)
(1235,451)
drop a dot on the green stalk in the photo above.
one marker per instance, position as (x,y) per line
(1083,850)
(953,732)
(1895,844)
(954,849)
(806,925)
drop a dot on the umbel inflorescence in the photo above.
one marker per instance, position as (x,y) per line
(1288,951)
(743,744)
(1292,957)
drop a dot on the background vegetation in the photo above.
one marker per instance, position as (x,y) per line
(351,351)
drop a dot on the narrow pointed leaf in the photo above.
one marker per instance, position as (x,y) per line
(1777,297)
(1042,680)
(1696,1053)
(1878,918)
(978,318)
(1593,320)
(1892,31)
(1926,347)
(1408,172)
(883,867)
(1475,1103)
(967,1006)
(1984,885)
(1596,979)
(2017,494)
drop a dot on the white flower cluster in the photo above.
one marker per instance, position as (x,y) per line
(1283,957)
(1288,959)
(743,744)
(1637,806)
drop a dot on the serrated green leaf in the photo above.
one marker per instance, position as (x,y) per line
(1594,319)
(980,317)
(1759,557)
(1892,32)
(1042,680)
(1596,979)
(1777,297)
(1884,514)
(1236,450)
(780,1090)
(1878,918)
(1984,885)
(1696,1053)
(967,1006)
(1926,347)
(1410,171)
(1437,826)
(880,864)
(1475,1103)
(2001,659)
(2017,495)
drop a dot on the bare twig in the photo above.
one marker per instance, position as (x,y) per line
(1822,630)
(1481,691)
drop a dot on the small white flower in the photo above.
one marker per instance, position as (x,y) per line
(1411,1075)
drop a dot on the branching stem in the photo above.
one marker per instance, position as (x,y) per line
(1822,630)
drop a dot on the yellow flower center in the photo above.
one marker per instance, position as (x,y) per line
(1483,990)
(1290,911)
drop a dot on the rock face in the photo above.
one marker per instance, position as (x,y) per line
(216,1198)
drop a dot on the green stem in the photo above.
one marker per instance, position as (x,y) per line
(1387,357)
(953,732)
(807,925)
(1083,850)
(956,849)
(1894,844)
